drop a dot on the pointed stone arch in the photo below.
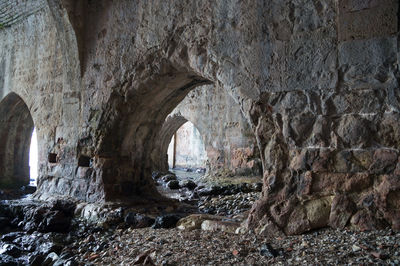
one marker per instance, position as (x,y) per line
(16,127)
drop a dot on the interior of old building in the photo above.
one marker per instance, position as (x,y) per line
(199,132)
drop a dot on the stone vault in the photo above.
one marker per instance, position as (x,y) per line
(317,82)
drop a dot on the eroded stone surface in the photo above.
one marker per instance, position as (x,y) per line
(317,81)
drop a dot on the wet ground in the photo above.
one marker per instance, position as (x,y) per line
(37,234)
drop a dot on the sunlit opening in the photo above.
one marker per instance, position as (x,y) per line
(33,160)
(186,149)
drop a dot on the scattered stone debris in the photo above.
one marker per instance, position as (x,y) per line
(198,239)
(196,247)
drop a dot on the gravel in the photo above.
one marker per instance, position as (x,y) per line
(175,247)
(228,205)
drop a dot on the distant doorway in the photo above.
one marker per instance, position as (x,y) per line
(186,148)
(33,160)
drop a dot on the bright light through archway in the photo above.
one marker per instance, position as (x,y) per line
(33,160)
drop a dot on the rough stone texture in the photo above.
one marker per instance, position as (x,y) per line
(332,140)
(100,78)
(229,141)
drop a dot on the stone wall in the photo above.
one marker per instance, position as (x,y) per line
(30,92)
(228,138)
(332,156)
(13,11)
(318,86)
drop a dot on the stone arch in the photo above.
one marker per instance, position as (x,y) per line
(16,127)
(171,125)
(131,124)
(171,56)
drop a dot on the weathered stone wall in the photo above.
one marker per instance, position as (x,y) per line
(33,66)
(30,91)
(318,86)
(332,157)
(228,138)
(132,81)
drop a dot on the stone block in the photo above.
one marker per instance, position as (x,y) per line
(194,221)
(368,63)
(298,222)
(318,211)
(355,131)
(341,211)
(363,19)
(389,130)
(224,226)
(384,161)
(358,182)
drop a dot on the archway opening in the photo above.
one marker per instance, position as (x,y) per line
(33,160)
(183,158)
(186,149)
(16,127)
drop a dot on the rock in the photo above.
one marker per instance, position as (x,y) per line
(173,184)
(11,250)
(144,258)
(354,131)
(51,259)
(11,236)
(168,178)
(245,188)
(136,220)
(36,260)
(224,226)
(61,262)
(66,206)
(341,211)
(378,255)
(156,175)
(194,221)
(55,221)
(364,220)
(201,171)
(384,161)
(8,261)
(268,228)
(212,191)
(267,251)
(166,221)
(355,248)
(318,211)
(48,247)
(189,184)
(257,187)
(30,226)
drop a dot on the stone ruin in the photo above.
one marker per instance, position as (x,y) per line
(308,90)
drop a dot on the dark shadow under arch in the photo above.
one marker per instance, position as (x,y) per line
(16,127)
